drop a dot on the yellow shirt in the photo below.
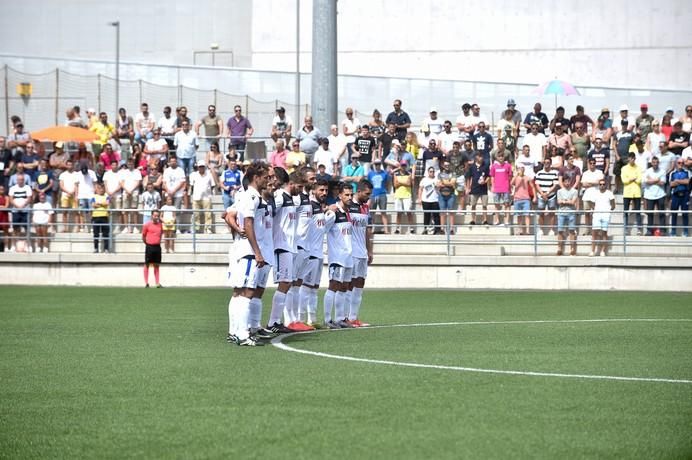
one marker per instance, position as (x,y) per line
(104,132)
(100,205)
(404,190)
(293,157)
(627,174)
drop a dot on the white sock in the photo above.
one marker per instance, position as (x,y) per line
(347,302)
(278,302)
(231,316)
(304,304)
(242,314)
(339,300)
(288,307)
(312,305)
(255,313)
(356,300)
(328,304)
(295,304)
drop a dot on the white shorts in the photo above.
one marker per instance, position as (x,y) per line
(402,204)
(245,274)
(601,220)
(360,268)
(313,273)
(283,267)
(299,264)
(340,274)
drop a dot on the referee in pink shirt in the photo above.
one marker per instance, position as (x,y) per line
(151,235)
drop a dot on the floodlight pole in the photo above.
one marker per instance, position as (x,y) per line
(297,121)
(116,24)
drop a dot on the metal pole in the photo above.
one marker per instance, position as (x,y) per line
(116,24)
(57,94)
(296,122)
(7,101)
(324,96)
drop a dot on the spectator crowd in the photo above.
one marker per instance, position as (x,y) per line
(496,174)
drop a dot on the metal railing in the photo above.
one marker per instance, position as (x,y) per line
(192,234)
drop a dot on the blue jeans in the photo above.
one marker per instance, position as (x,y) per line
(227,200)
(447,203)
(679,203)
(566,221)
(186,164)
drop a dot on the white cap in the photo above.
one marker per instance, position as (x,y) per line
(624,107)
(433,109)
(670,109)
(91,110)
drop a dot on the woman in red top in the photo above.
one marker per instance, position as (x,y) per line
(666,127)
(4,220)
(151,236)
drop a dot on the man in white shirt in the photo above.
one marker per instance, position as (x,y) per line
(201,183)
(537,142)
(186,145)
(68,193)
(167,126)
(337,144)
(350,127)
(130,179)
(282,126)
(654,184)
(604,204)
(432,125)
(86,180)
(325,156)
(589,186)
(20,196)
(111,180)
(144,124)
(624,115)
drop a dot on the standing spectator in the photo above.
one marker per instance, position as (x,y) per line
(100,204)
(149,200)
(400,119)
(20,199)
(644,121)
(446,188)
(86,181)
(679,140)
(589,184)
(507,133)
(447,138)
(537,142)
(500,181)
(654,182)
(113,188)
(522,191)
(29,159)
(432,157)
(601,131)
(477,186)
(567,199)
(546,184)
(349,127)
(282,126)
(581,143)
(151,236)
(6,162)
(377,129)
(326,157)
(68,194)
(580,118)
(5,245)
(354,172)
(654,138)
(201,183)
(618,124)
(144,124)
(536,117)
(186,145)
(429,200)
(686,119)
(337,144)
(515,115)
(570,173)
(296,158)
(403,193)
(432,126)
(476,118)
(463,122)
(483,142)
(156,149)
(604,205)
(277,158)
(665,158)
(232,182)
(166,125)
(44,181)
(321,174)
(168,218)
(109,156)
(600,154)
(105,132)
(679,181)
(365,146)
(41,217)
(560,138)
(130,180)
(180,118)
(642,156)
(309,138)
(239,129)
(631,177)
(83,157)
(623,140)
(528,162)
(380,180)
(213,127)
(501,149)
(397,155)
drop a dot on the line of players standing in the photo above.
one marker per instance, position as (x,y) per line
(280,221)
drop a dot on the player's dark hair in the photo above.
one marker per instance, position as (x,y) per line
(344,186)
(322,183)
(364,184)
(256,169)
(281,175)
(295,178)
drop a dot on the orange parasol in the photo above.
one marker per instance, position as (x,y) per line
(65,134)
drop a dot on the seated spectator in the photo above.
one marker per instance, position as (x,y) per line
(428,198)
(105,132)
(397,155)
(109,156)
(19,170)
(139,159)
(447,199)
(277,158)
(18,140)
(124,127)
(6,162)
(84,157)
(295,159)
(604,205)
(403,194)
(282,126)
(309,138)
(522,191)
(156,149)
(154,177)
(215,162)
(380,180)
(144,124)
(354,172)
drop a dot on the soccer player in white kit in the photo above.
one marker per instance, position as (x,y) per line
(315,248)
(251,269)
(304,208)
(339,235)
(361,251)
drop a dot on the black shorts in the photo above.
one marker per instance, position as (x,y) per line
(152,254)
(20,220)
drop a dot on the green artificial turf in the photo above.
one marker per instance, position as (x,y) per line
(134,373)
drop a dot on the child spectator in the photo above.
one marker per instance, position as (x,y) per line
(380,184)
(403,185)
(168,220)
(150,200)
(100,203)
(42,212)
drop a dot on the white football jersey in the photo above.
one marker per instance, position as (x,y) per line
(339,235)
(316,231)
(250,204)
(304,209)
(285,222)
(360,219)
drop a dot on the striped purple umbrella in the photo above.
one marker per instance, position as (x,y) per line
(557,88)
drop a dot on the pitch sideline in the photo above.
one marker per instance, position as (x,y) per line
(278,343)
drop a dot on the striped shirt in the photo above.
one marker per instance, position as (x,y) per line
(545,180)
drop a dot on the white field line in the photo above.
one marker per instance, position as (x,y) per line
(278,343)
